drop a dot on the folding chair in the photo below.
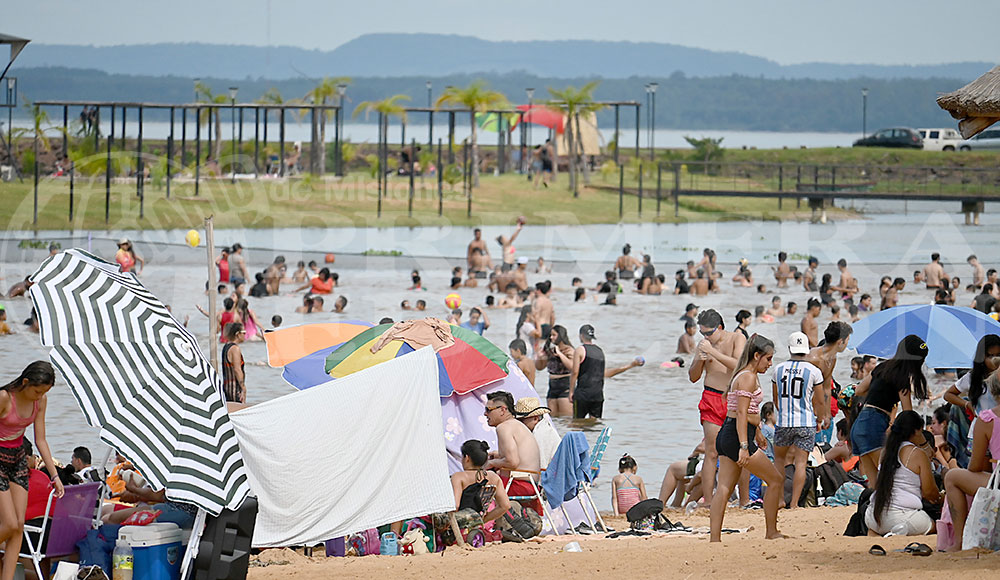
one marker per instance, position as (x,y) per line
(596,456)
(57,532)
(530,477)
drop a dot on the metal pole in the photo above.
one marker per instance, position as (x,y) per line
(65,135)
(240,133)
(621,191)
(501,150)
(184,131)
(652,123)
(781,183)
(71,172)
(140,177)
(467,177)
(413,149)
(35,219)
(430,117)
(107,172)
(638,128)
(123,127)
(618,131)
(640,191)
(213,282)
(677,190)
(336,142)
(97,128)
(232,136)
(197,150)
(170,151)
(659,185)
(440,176)
(256,142)
(451,137)
(281,138)
(381,166)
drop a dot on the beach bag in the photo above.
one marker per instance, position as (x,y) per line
(831,476)
(857,526)
(808,496)
(982,529)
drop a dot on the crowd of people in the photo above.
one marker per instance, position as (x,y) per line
(905,455)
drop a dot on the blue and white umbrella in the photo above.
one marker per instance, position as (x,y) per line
(950,332)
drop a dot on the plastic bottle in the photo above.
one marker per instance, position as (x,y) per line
(122,562)
(691,507)
(572,547)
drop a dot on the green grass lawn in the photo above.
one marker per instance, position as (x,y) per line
(352,202)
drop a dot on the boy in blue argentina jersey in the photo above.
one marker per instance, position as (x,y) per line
(799,406)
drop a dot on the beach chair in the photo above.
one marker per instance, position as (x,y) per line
(56,533)
(596,456)
(529,476)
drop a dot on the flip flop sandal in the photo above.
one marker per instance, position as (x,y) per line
(918,549)
(876,550)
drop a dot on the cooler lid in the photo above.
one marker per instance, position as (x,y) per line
(154,534)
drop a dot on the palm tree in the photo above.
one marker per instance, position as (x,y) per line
(573,102)
(205,96)
(477,99)
(325,91)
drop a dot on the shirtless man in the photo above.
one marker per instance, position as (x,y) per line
(892,294)
(477,255)
(686,344)
(700,285)
(541,305)
(506,249)
(776,310)
(933,272)
(835,339)
(848,286)
(517,449)
(518,352)
(627,264)
(273,275)
(808,325)
(809,276)
(520,275)
(783,272)
(715,358)
(978,272)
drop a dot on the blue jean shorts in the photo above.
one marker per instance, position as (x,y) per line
(868,431)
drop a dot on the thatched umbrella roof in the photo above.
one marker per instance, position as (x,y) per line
(976,105)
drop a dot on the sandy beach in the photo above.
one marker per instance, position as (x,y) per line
(815,546)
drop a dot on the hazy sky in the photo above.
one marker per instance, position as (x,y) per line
(787,31)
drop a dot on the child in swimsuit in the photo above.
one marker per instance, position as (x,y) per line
(627,488)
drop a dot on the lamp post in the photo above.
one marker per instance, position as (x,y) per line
(530,91)
(652,121)
(12,102)
(232,140)
(341,91)
(430,117)
(864,112)
(197,125)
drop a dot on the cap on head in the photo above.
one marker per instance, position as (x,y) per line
(691,306)
(798,343)
(587,330)
(522,260)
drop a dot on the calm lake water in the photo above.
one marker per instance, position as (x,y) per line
(653,410)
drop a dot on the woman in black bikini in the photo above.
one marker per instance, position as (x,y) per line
(557,356)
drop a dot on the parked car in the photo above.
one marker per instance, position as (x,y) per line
(940,139)
(894,137)
(988,139)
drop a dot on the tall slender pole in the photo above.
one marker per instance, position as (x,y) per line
(864,112)
(65,132)
(140,172)
(170,151)
(281,138)
(197,150)
(213,282)
(107,171)
(618,131)
(440,176)
(652,122)
(184,131)
(430,118)
(637,129)
(381,167)
(413,149)
(256,142)
(232,135)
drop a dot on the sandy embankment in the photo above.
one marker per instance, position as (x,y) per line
(815,546)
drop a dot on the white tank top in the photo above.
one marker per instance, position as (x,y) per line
(906,486)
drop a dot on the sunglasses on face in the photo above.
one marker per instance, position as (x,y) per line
(488,409)
(708,332)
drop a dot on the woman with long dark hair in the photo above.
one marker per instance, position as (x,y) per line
(891,383)
(740,442)
(557,356)
(972,384)
(22,404)
(905,479)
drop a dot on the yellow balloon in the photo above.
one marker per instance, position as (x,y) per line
(193,238)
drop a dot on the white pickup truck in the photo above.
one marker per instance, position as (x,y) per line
(940,139)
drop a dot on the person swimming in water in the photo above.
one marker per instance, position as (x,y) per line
(627,264)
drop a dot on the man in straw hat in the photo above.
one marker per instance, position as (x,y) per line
(530,411)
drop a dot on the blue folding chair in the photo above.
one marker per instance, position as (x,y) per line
(596,456)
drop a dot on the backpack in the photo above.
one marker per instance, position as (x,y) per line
(857,525)
(808,496)
(830,476)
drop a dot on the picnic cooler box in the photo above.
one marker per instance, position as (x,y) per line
(156,550)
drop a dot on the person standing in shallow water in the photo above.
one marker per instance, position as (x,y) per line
(715,358)
(23,403)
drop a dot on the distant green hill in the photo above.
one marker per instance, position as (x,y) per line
(437,55)
(730,102)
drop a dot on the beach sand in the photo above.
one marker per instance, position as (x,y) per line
(815,546)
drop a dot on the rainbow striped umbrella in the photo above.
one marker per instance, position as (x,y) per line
(470,363)
(302,350)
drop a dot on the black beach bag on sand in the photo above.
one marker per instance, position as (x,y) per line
(857,526)
(808,496)
(647,516)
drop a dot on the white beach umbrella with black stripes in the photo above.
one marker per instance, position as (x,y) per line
(140,377)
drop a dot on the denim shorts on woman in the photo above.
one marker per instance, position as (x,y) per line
(868,431)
